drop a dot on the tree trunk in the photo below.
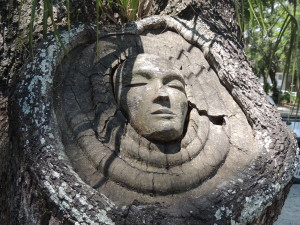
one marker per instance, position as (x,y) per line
(43,181)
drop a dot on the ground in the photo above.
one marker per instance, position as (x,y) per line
(290,214)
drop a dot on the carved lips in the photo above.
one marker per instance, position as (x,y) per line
(164,113)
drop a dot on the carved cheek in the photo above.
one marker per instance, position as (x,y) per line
(184,105)
(179,101)
(134,103)
(151,92)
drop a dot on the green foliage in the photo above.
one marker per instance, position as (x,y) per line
(284,98)
(129,9)
(288,97)
(68,15)
(33,7)
(271,32)
(47,13)
(134,9)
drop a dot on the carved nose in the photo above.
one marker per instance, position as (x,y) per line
(162,96)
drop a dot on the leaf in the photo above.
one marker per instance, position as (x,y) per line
(252,12)
(56,33)
(239,17)
(45,17)
(68,16)
(134,4)
(98,6)
(261,8)
(32,17)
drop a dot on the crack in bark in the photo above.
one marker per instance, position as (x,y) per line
(216,120)
(91,123)
(105,125)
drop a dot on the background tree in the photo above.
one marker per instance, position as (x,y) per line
(271,33)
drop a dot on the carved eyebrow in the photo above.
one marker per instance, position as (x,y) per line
(143,73)
(173,76)
(139,73)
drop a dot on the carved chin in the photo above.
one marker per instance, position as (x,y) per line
(159,130)
(165,133)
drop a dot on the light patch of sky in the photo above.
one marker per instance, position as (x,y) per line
(277,29)
(280,19)
(277,4)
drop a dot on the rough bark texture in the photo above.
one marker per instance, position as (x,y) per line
(14,51)
(39,182)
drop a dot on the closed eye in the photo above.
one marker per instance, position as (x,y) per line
(180,88)
(177,85)
(136,85)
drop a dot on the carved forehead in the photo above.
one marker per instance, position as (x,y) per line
(152,62)
(152,66)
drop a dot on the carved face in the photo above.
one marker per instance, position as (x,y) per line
(151,92)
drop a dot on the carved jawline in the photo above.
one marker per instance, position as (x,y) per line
(134,166)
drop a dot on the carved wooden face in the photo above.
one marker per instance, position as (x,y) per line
(152,95)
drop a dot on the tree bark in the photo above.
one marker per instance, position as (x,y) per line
(38,184)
